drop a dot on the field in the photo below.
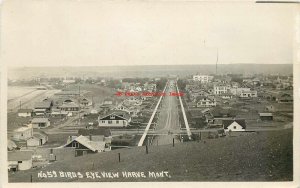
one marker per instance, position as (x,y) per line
(96,92)
(28,96)
(263,156)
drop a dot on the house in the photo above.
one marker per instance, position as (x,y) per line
(40,123)
(99,134)
(19,160)
(115,119)
(38,139)
(25,112)
(40,112)
(202,78)
(85,102)
(45,106)
(22,133)
(248,94)
(219,112)
(203,101)
(84,145)
(266,116)
(234,125)
(58,112)
(69,107)
(219,89)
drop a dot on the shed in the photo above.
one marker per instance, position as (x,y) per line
(266,116)
(19,160)
(25,112)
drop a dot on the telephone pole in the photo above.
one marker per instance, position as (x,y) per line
(217,61)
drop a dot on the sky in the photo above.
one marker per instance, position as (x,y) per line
(108,33)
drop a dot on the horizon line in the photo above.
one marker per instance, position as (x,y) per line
(132,65)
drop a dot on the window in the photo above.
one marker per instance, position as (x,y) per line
(112,117)
(19,161)
(109,122)
(234,127)
(117,122)
(75,144)
(103,121)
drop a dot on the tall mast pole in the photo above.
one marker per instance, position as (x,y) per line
(217,61)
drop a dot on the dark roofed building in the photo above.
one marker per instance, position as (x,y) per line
(99,131)
(266,116)
(45,106)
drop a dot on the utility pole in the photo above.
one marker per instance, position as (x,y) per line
(217,61)
(79,106)
(20,104)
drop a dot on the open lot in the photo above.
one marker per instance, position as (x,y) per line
(267,156)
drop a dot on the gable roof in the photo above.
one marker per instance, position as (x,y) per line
(94,146)
(122,115)
(100,131)
(40,135)
(23,155)
(228,122)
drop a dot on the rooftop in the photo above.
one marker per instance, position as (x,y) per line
(22,129)
(228,122)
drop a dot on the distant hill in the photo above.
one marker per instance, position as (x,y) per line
(148,71)
(263,156)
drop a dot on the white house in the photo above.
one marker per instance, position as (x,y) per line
(115,119)
(234,125)
(25,112)
(38,139)
(220,89)
(19,160)
(202,78)
(203,101)
(22,133)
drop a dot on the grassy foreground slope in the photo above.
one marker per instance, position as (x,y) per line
(264,156)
